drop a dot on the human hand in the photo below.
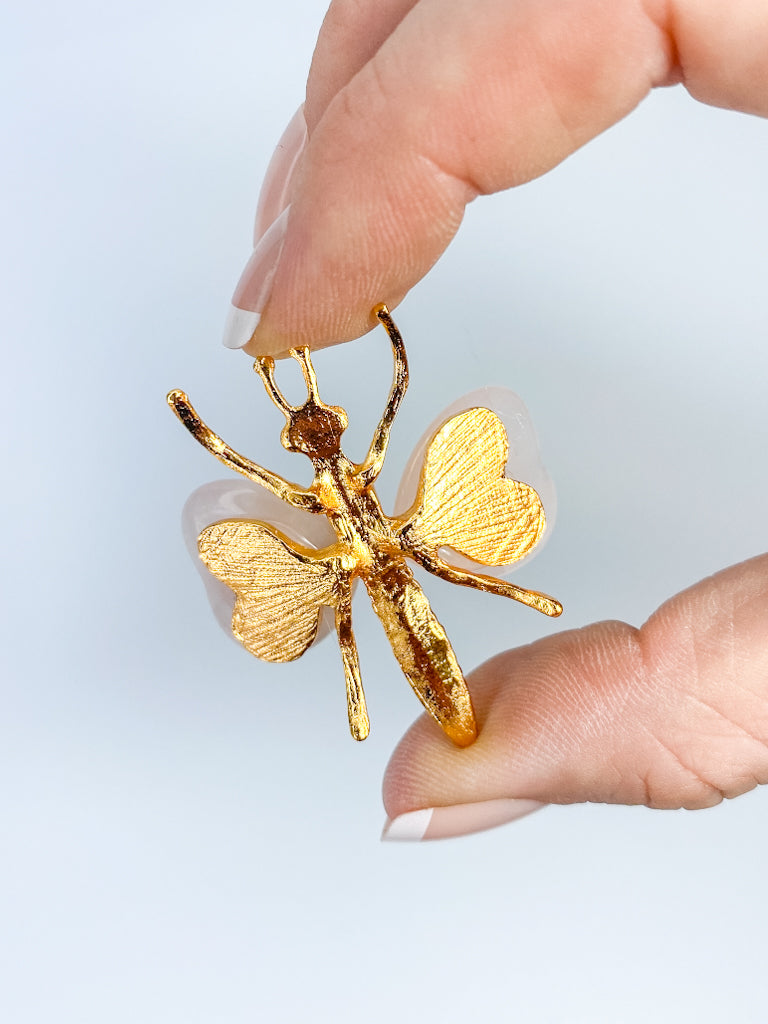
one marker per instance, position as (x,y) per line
(414,109)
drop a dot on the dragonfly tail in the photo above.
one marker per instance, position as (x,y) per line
(423,650)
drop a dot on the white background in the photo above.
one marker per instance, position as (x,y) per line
(188,835)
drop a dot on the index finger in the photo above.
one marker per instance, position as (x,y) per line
(462,99)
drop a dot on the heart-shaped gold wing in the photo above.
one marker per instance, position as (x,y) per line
(464,499)
(279,587)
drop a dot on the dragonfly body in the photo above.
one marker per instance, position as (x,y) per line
(464,502)
(353,511)
(369,547)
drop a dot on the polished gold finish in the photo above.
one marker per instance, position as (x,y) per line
(464,502)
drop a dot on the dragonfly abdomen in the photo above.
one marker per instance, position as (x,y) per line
(422,648)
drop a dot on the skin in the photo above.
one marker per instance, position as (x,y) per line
(414,109)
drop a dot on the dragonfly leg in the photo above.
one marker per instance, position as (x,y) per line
(490,584)
(359,724)
(371,467)
(202,433)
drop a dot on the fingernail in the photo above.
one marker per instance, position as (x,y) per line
(255,284)
(252,291)
(458,820)
(274,195)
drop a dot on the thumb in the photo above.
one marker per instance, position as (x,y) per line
(674,714)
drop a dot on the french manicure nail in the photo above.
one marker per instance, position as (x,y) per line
(255,284)
(458,820)
(274,195)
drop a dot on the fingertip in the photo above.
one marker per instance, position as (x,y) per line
(455,821)
(315,321)
(670,715)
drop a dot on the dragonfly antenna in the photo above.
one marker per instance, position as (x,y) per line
(301,355)
(265,367)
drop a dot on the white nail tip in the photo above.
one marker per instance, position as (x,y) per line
(408,828)
(239,327)
(457,820)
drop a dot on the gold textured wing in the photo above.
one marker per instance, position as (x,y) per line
(465,501)
(279,587)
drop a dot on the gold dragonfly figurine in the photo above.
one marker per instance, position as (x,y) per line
(464,502)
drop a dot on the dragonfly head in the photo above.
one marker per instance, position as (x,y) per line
(314,428)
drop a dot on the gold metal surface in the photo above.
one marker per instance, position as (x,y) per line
(464,502)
